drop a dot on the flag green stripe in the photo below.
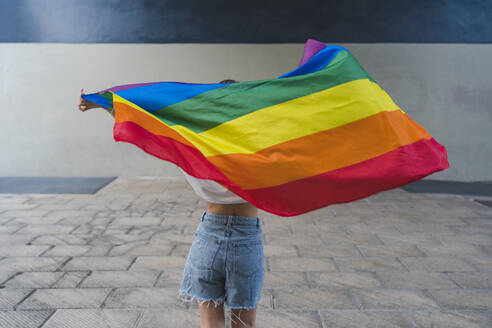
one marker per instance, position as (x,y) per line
(212,108)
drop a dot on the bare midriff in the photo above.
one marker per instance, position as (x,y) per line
(243,209)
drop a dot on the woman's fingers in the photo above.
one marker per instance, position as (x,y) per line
(85,104)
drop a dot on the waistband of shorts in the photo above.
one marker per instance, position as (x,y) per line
(222,219)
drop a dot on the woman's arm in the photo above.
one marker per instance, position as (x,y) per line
(86,104)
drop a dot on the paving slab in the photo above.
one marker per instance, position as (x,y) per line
(33,280)
(9,298)
(39,229)
(62,239)
(9,229)
(77,250)
(157,263)
(333,250)
(93,318)
(169,317)
(301,264)
(71,279)
(276,250)
(371,264)
(24,319)
(144,298)
(9,240)
(313,299)
(463,299)
(6,275)
(22,250)
(29,263)
(417,279)
(65,298)
(472,279)
(281,279)
(436,264)
(393,299)
(364,319)
(170,278)
(121,279)
(288,319)
(111,263)
(141,249)
(342,279)
(450,319)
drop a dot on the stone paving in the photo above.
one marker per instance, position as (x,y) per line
(115,259)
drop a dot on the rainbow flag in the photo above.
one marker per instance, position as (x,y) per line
(324,133)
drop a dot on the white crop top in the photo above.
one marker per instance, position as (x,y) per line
(212,191)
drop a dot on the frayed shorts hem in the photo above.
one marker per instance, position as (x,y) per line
(185,297)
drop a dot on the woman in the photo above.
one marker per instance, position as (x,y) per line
(226,262)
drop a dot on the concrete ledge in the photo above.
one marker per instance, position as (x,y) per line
(53,185)
(478,188)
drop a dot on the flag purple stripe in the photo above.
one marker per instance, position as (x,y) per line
(311,48)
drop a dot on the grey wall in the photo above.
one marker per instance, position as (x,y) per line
(446,88)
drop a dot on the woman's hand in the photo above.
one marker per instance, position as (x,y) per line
(86,104)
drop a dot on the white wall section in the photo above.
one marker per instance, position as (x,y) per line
(446,88)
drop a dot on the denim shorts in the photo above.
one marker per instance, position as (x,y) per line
(225,262)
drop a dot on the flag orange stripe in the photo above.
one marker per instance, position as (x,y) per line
(338,147)
(125,113)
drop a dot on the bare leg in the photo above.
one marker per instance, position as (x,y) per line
(242,318)
(211,316)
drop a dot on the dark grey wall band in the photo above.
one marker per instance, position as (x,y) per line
(225,21)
